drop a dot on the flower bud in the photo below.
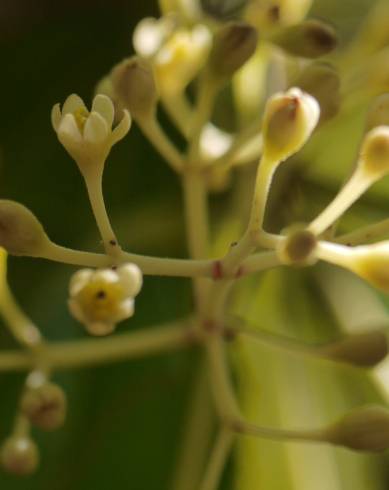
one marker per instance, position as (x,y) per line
(374,155)
(298,248)
(134,86)
(266,15)
(19,455)
(363,429)
(361,350)
(44,406)
(20,231)
(378,113)
(233,45)
(371,262)
(310,39)
(288,122)
(322,82)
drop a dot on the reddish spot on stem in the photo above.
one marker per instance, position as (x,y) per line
(239,272)
(217,270)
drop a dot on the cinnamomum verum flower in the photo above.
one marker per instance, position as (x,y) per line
(88,136)
(100,299)
(19,455)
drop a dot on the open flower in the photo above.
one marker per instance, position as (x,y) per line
(88,136)
(176,53)
(101,298)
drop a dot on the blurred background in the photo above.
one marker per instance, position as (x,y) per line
(125,419)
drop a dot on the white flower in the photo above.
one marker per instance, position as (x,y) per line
(177,53)
(88,136)
(101,298)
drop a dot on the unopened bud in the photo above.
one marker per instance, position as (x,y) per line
(19,455)
(298,248)
(310,39)
(374,155)
(363,429)
(233,45)
(362,350)
(267,15)
(134,86)
(322,82)
(44,406)
(371,262)
(288,122)
(378,113)
(20,231)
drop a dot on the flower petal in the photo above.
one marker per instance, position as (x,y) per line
(104,106)
(72,103)
(130,278)
(122,128)
(79,280)
(68,132)
(96,129)
(125,310)
(100,329)
(76,310)
(107,276)
(56,116)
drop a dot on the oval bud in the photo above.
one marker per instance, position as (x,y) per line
(371,262)
(233,45)
(44,406)
(288,122)
(363,429)
(378,113)
(361,350)
(322,82)
(310,39)
(374,155)
(134,86)
(298,248)
(19,455)
(20,231)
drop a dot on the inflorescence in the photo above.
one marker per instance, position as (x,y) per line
(187,51)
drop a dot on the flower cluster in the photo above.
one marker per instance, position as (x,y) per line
(186,62)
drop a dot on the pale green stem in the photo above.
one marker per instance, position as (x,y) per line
(315,435)
(22,426)
(197,433)
(75,354)
(223,393)
(352,190)
(376,231)
(154,266)
(259,262)
(218,458)
(94,185)
(152,130)
(204,106)
(179,110)
(22,328)
(196,218)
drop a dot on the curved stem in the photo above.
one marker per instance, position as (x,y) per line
(79,353)
(94,185)
(218,458)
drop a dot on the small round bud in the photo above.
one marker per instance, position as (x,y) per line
(361,350)
(298,248)
(288,122)
(19,455)
(374,155)
(322,82)
(233,45)
(378,113)
(310,39)
(44,406)
(363,429)
(20,231)
(134,86)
